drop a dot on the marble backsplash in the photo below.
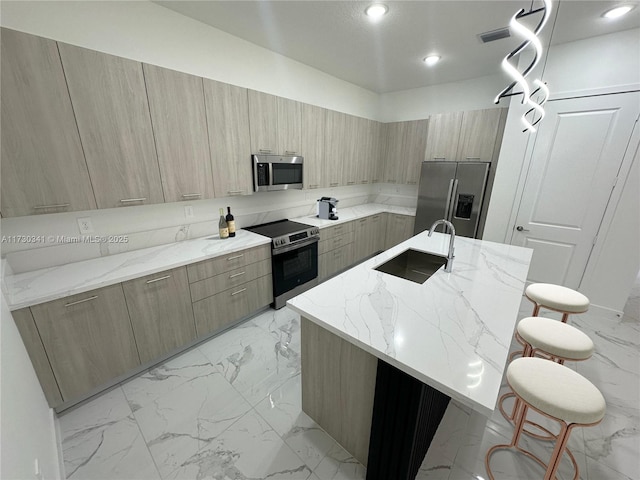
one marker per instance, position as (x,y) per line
(41,241)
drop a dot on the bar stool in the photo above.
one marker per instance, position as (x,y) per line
(551,340)
(554,297)
(557,298)
(558,393)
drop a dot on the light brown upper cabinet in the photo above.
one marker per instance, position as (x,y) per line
(110,102)
(43,167)
(176,102)
(334,148)
(444,135)
(349,152)
(228,123)
(313,133)
(406,142)
(263,122)
(473,135)
(479,134)
(289,127)
(376,152)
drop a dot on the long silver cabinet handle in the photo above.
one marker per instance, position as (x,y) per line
(131,200)
(439,158)
(55,205)
(264,150)
(333,184)
(158,279)
(351,183)
(239,291)
(191,195)
(234,192)
(472,158)
(313,186)
(290,152)
(81,301)
(236,275)
(237,256)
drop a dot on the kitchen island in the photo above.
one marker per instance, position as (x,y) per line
(382,355)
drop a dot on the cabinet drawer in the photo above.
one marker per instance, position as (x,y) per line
(330,232)
(233,278)
(225,263)
(334,261)
(88,339)
(338,241)
(223,309)
(160,310)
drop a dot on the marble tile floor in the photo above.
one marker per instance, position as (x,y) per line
(230,409)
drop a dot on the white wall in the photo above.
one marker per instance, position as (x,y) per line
(27,430)
(418,103)
(150,33)
(604,64)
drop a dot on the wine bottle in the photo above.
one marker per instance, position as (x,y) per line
(222,226)
(231,223)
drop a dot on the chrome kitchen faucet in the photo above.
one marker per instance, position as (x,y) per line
(442,221)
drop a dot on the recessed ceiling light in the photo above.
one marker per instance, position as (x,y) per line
(618,11)
(376,10)
(431,60)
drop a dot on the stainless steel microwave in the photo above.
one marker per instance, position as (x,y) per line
(277,172)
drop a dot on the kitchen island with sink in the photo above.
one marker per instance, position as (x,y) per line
(382,355)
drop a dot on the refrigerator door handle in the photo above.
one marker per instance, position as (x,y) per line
(448,203)
(453,200)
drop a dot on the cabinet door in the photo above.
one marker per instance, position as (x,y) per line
(378,232)
(335,139)
(478,135)
(376,151)
(334,261)
(399,229)
(228,123)
(444,134)
(263,122)
(413,147)
(161,313)
(393,161)
(43,168)
(35,349)
(349,151)
(363,239)
(289,127)
(176,102)
(110,102)
(313,132)
(88,339)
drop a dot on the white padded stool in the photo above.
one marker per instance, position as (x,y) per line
(556,392)
(556,298)
(551,340)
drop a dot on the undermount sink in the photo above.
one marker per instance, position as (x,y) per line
(413,265)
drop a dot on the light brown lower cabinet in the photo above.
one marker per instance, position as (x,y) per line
(334,261)
(379,231)
(223,309)
(399,229)
(161,313)
(88,339)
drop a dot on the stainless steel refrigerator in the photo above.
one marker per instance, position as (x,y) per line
(453,191)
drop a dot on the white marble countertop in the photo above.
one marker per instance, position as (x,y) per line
(452,332)
(353,213)
(39,286)
(43,285)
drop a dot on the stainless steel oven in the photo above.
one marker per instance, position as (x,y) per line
(277,172)
(294,258)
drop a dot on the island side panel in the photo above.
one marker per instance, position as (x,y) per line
(338,387)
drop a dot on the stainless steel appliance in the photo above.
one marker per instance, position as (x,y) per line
(328,208)
(277,172)
(453,191)
(294,257)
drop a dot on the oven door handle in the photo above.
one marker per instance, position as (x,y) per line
(295,246)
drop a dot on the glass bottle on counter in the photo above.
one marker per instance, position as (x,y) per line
(231,223)
(223,227)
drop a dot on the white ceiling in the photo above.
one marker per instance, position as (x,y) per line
(337,38)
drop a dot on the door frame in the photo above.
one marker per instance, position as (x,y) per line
(614,197)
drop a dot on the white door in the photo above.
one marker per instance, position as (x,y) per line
(575,159)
